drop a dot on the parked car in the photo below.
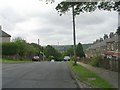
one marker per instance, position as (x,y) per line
(66,58)
(35,58)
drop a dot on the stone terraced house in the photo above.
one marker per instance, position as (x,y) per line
(4,37)
(106,46)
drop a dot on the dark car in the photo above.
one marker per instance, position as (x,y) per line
(35,58)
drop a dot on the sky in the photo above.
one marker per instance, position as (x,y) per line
(34,19)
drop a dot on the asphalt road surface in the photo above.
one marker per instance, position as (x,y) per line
(37,75)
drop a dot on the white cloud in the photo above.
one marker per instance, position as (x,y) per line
(33,19)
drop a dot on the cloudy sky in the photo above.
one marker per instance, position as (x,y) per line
(34,19)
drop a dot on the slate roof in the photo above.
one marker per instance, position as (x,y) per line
(104,42)
(4,34)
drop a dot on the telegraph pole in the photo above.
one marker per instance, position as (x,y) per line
(42,49)
(39,47)
(43,53)
(38,41)
(118,42)
(74,35)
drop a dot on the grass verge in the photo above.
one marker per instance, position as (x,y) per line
(89,77)
(13,61)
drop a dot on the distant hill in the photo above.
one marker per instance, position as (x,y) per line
(85,46)
(63,48)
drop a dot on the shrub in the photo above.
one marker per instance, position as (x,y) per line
(19,47)
(95,60)
(9,48)
(72,58)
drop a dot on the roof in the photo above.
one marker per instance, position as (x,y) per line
(4,34)
(113,39)
(104,42)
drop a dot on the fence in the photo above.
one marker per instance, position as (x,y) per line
(111,64)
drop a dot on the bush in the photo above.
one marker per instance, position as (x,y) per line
(20,48)
(72,58)
(9,48)
(95,60)
(85,60)
(59,59)
(50,58)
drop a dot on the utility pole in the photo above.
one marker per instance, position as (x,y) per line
(118,42)
(58,43)
(43,53)
(39,47)
(74,35)
(38,41)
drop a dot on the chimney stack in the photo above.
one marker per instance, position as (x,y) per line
(105,36)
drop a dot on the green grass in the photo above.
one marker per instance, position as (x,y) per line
(13,61)
(84,74)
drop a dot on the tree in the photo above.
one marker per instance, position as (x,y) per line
(21,46)
(50,1)
(69,52)
(79,50)
(31,51)
(24,49)
(78,7)
(64,7)
(52,52)
(38,47)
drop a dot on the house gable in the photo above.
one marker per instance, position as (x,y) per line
(4,34)
(4,37)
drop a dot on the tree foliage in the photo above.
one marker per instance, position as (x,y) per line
(19,47)
(9,48)
(79,50)
(50,1)
(79,7)
(69,52)
(37,46)
(52,52)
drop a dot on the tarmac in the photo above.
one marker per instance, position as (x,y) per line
(110,76)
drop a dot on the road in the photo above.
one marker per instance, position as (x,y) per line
(37,75)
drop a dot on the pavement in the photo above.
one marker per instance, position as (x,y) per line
(110,76)
(37,75)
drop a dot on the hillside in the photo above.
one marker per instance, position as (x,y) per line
(85,46)
(63,48)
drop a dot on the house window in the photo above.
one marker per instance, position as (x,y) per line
(116,45)
(108,46)
(112,46)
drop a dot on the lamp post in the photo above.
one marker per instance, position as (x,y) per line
(74,35)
